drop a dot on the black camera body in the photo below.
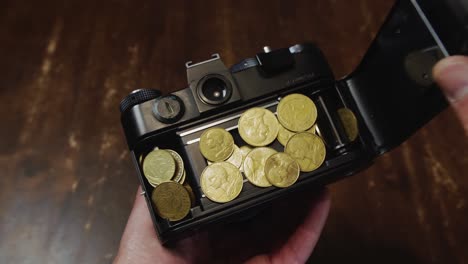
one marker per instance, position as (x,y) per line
(391,93)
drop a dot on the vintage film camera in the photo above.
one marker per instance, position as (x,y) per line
(391,93)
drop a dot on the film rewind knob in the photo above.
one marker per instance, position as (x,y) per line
(137,97)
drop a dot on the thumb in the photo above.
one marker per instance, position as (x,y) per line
(452,76)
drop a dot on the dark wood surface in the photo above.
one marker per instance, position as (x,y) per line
(67,183)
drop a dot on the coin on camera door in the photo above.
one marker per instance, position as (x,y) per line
(254,166)
(308,150)
(258,127)
(171,201)
(236,157)
(159,166)
(281,170)
(179,165)
(349,123)
(221,182)
(297,112)
(216,144)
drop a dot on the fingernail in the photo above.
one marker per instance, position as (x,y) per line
(452,75)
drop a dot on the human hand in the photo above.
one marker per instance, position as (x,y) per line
(452,76)
(285,233)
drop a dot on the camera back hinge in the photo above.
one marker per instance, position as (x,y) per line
(392,90)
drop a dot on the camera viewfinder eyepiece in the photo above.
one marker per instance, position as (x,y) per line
(214,89)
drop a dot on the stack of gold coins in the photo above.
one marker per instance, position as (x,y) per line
(296,113)
(163,165)
(172,196)
(221,181)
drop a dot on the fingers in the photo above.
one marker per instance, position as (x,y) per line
(139,226)
(139,242)
(452,76)
(301,243)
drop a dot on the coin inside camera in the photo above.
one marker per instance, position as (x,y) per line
(214,89)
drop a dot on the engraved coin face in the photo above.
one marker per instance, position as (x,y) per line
(159,167)
(297,112)
(281,170)
(221,182)
(171,201)
(179,165)
(254,166)
(258,127)
(236,157)
(216,144)
(308,150)
(349,122)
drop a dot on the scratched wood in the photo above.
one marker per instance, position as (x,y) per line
(67,183)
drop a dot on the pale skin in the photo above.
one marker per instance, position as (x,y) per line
(286,233)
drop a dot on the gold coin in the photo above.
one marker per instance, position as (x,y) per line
(281,170)
(221,182)
(284,135)
(297,112)
(179,165)
(216,144)
(349,122)
(182,180)
(258,127)
(190,192)
(313,130)
(236,157)
(244,150)
(254,166)
(159,166)
(171,201)
(308,150)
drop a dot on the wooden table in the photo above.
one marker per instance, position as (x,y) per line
(67,183)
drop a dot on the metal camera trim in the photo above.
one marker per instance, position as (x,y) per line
(201,83)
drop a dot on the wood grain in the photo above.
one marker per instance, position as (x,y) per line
(67,183)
